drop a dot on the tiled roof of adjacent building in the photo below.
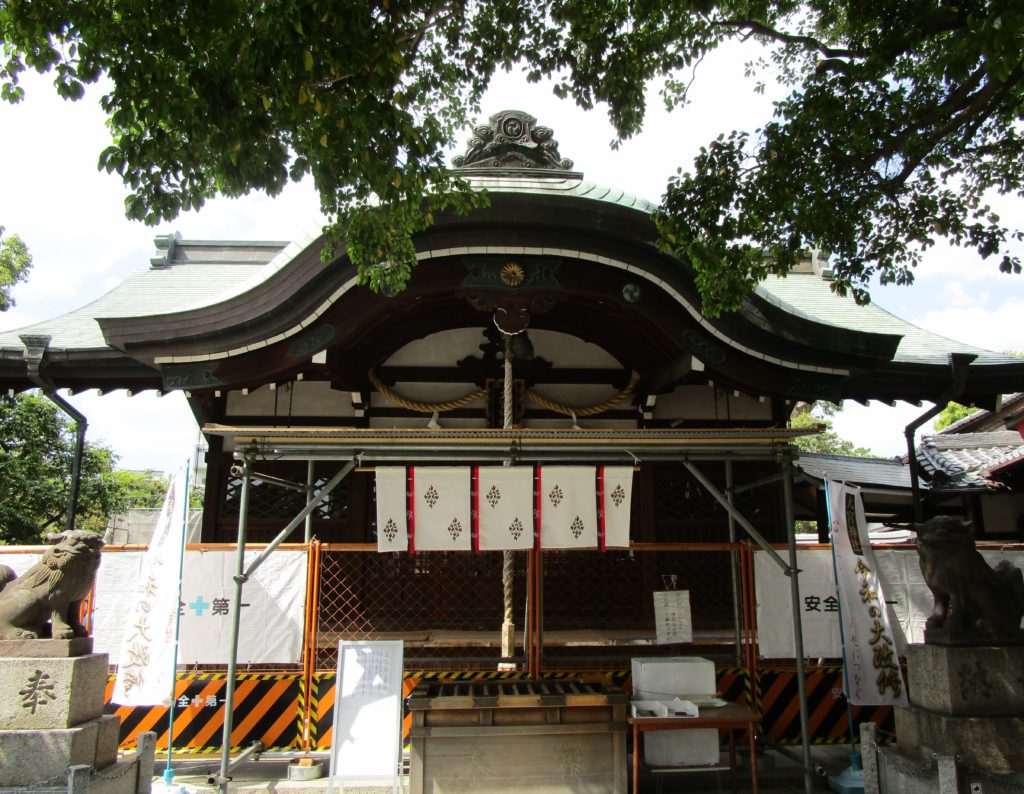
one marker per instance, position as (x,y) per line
(967,460)
(869,472)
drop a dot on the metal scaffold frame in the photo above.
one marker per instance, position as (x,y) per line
(360,446)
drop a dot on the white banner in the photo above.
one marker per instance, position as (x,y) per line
(872,666)
(907,596)
(491,508)
(273,601)
(568,507)
(20,563)
(819,606)
(504,506)
(146,663)
(392,509)
(441,519)
(616,504)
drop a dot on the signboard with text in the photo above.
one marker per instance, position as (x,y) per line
(368,711)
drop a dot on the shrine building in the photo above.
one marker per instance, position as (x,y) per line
(546,333)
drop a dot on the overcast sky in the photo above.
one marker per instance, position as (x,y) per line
(72,218)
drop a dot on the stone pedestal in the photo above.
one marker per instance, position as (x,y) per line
(51,719)
(44,692)
(967,709)
(967,681)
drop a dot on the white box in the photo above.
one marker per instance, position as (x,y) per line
(648,708)
(666,677)
(687,677)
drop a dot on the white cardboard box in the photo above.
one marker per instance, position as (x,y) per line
(667,677)
(648,708)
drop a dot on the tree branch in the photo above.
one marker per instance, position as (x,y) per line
(431,20)
(808,42)
(955,99)
(973,113)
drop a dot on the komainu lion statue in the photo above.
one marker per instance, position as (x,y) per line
(44,601)
(974,603)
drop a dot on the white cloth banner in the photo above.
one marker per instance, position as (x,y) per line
(392,509)
(906,594)
(567,501)
(272,609)
(616,504)
(869,648)
(272,613)
(496,508)
(146,663)
(819,606)
(21,562)
(504,507)
(441,519)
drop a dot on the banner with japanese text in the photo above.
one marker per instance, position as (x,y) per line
(272,613)
(819,606)
(146,662)
(873,675)
(906,594)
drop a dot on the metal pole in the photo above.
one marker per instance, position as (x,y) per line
(798,634)
(236,609)
(309,498)
(242,573)
(35,348)
(732,511)
(322,494)
(734,558)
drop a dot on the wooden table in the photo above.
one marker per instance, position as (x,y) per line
(731,717)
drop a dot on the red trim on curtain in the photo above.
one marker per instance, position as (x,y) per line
(474,495)
(536,511)
(411,474)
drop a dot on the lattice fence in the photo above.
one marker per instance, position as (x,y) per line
(448,606)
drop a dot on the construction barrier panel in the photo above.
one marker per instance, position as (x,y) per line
(271,708)
(828,716)
(267,709)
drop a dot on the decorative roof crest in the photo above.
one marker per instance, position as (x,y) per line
(513,144)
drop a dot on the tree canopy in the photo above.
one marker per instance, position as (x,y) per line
(145,489)
(37,443)
(952,413)
(827,441)
(903,116)
(15,262)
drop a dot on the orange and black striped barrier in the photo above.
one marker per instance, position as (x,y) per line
(271,708)
(265,710)
(827,715)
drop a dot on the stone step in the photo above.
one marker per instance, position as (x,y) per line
(30,757)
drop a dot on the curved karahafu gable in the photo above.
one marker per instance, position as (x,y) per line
(552,252)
